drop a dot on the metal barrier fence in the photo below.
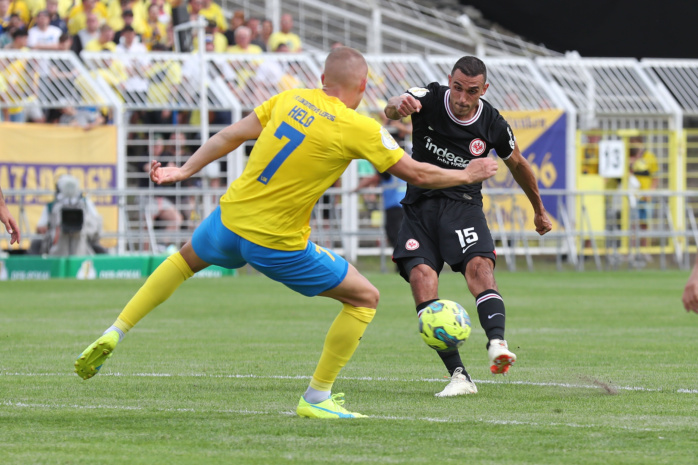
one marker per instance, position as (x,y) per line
(641,233)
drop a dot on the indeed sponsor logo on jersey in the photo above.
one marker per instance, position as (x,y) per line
(444,156)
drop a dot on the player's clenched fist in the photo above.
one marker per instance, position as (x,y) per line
(402,105)
(481,169)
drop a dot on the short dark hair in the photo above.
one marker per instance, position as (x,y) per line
(470,66)
(19,32)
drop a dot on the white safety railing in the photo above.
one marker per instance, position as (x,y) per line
(252,79)
(50,80)
(159,79)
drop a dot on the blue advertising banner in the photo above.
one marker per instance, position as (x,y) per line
(541,137)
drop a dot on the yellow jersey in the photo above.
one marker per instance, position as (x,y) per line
(309,139)
(645,168)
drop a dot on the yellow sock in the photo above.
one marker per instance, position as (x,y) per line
(340,343)
(157,288)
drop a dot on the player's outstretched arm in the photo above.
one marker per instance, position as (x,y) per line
(216,147)
(402,105)
(523,175)
(8,221)
(690,292)
(429,176)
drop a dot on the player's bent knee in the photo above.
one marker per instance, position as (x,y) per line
(367,297)
(422,272)
(480,272)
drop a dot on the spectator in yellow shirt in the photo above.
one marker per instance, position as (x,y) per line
(155,32)
(103,42)
(77,18)
(285,36)
(21,9)
(243,37)
(213,12)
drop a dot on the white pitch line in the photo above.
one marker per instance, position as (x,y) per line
(358,378)
(8,403)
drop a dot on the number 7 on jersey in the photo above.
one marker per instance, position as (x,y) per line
(295,137)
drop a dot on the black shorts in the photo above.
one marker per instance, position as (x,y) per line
(437,230)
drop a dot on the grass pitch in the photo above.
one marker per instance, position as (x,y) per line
(606,373)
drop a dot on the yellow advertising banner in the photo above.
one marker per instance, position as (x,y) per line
(34,156)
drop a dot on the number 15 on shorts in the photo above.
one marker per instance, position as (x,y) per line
(467,237)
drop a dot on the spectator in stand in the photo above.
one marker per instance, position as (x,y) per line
(155,32)
(237,20)
(4,15)
(63,78)
(243,36)
(83,117)
(220,43)
(19,40)
(77,17)
(285,36)
(140,12)
(194,8)
(14,23)
(20,8)
(127,17)
(105,40)
(21,84)
(213,12)
(164,11)
(43,36)
(65,42)
(86,35)
(256,29)
(55,18)
(267,30)
(129,42)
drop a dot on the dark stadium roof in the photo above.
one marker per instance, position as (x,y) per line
(600,28)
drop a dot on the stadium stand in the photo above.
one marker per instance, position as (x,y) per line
(158,97)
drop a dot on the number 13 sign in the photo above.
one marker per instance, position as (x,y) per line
(612,158)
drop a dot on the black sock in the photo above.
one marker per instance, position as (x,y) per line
(490,309)
(425,304)
(451,358)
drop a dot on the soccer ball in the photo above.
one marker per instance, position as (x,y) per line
(444,325)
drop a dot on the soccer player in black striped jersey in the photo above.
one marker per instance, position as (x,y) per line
(451,127)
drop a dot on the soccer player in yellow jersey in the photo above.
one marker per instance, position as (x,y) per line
(305,140)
